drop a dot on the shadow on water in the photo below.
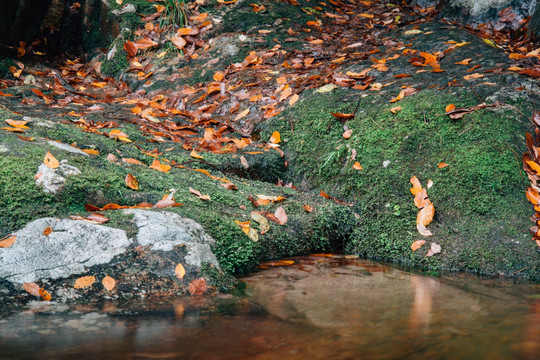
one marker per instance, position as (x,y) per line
(317,308)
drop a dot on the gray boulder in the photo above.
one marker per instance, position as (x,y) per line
(69,249)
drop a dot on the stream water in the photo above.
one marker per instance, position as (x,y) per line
(320,307)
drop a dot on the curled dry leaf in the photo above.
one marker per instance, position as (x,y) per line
(84,281)
(416,185)
(421,199)
(198,194)
(108,283)
(423,230)
(435,249)
(308,208)
(7,241)
(50,161)
(229,186)
(396,109)
(417,244)
(48,231)
(197,286)
(341,116)
(179,271)
(347,134)
(425,215)
(132,182)
(281,215)
(157,165)
(195,155)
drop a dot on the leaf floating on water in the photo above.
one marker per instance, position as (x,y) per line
(179,271)
(48,231)
(7,241)
(84,281)
(197,287)
(108,283)
(132,182)
(417,244)
(50,161)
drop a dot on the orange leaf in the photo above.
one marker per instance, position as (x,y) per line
(91,151)
(425,216)
(417,244)
(396,109)
(315,42)
(341,116)
(48,231)
(416,185)
(31,288)
(179,271)
(84,281)
(178,41)
(423,230)
(463,62)
(108,283)
(242,114)
(18,124)
(421,199)
(308,208)
(473,76)
(442,165)
(131,182)
(7,241)
(275,138)
(195,155)
(50,161)
(198,194)
(357,166)
(197,286)
(532,195)
(126,160)
(219,75)
(450,107)
(157,165)
(347,134)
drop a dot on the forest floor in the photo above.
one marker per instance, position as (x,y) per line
(288,128)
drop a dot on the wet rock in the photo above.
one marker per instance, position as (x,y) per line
(52,180)
(71,248)
(165,230)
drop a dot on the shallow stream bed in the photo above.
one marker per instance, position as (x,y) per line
(319,307)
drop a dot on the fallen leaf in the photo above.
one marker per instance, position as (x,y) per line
(84,281)
(463,62)
(416,185)
(7,241)
(108,283)
(229,186)
(293,99)
(198,194)
(48,231)
(442,165)
(179,271)
(197,286)
(242,114)
(178,41)
(244,162)
(421,199)
(31,288)
(473,76)
(275,138)
(425,215)
(450,107)
(357,166)
(423,230)
(157,165)
(396,109)
(417,244)
(347,134)
(50,161)
(308,208)
(195,155)
(45,294)
(17,123)
(435,249)
(132,182)
(281,215)
(263,222)
(341,116)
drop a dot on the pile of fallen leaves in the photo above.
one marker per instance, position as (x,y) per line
(531,165)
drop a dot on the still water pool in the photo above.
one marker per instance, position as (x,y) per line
(317,308)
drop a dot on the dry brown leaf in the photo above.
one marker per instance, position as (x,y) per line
(48,231)
(244,162)
(421,199)
(197,286)
(347,134)
(416,185)
(423,230)
(195,155)
(178,41)
(157,165)
(473,76)
(84,281)
(131,182)
(198,194)
(31,288)
(229,186)
(293,99)
(50,161)
(308,208)
(281,215)
(442,165)
(396,109)
(242,114)
(179,271)
(108,283)
(425,216)
(417,244)
(7,241)
(450,107)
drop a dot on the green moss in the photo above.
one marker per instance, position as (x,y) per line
(117,64)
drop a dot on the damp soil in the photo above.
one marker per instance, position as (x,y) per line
(317,307)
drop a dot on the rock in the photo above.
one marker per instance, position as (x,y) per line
(52,180)
(4,148)
(165,230)
(69,249)
(127,9)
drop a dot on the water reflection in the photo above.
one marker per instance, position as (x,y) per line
(318,308)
